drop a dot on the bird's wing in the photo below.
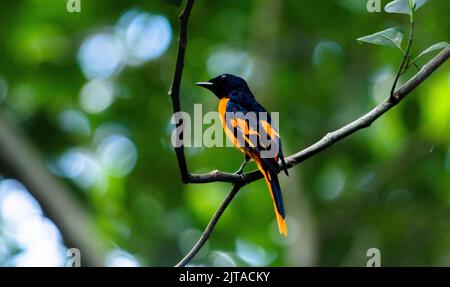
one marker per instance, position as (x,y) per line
(266,130)
(248,132)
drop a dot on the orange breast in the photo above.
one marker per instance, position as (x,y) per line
(222,110)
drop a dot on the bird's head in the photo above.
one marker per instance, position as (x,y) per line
(224,84)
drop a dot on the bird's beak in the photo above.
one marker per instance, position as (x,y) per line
(207,85)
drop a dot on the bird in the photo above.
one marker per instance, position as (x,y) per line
(252,137)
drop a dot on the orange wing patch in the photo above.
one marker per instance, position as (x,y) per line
(269,129)
(235,123)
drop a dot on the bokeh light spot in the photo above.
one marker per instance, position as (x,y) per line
(81,166)
(222,259)
(326,51)
(330,183)
(117,154)
(121,258)
(228,60)
(96,96)
(100,56)
(252,254)
(145,36)
(381,84)
(74,122)
(107,129)
(38,239)
(16,204)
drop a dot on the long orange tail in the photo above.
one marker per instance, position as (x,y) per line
(275,191)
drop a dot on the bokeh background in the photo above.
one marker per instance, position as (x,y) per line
(86,160)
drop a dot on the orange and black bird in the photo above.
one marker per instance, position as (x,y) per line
(253,137)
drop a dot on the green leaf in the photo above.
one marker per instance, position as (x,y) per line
(391,37)
(402,6)
(174,2)
(432,48)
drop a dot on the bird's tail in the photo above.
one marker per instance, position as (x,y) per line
(275,191)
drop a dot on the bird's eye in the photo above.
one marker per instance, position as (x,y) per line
(224,76)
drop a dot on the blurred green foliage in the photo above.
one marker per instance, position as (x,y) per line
(386,187)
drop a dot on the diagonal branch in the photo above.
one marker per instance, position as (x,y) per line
(210,227)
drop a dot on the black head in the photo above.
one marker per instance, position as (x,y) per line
(224,84)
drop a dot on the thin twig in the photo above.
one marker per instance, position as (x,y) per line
(406,57)
(174,91)
(209,229)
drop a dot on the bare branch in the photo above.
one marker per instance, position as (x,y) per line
(216,176)
(209,229)
(174,91)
